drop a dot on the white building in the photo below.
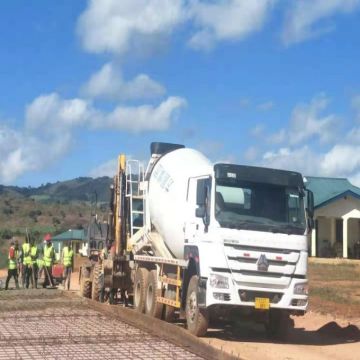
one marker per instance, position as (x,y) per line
(337,218)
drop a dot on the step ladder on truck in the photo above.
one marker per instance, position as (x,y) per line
(201,241)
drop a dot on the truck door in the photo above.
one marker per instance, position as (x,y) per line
(194,226)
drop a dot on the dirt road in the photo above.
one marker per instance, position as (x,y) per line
(315,337)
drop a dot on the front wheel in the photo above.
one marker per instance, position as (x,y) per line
(197,319)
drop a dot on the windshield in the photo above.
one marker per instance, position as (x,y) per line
(258,206)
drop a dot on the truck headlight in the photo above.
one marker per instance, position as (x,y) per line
(219,281)
(301,289)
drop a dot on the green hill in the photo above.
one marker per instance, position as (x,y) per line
(50,208)
(79,189)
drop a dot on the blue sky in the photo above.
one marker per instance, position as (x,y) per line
(263,82)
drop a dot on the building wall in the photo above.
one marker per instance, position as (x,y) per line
(339,208)
(344,208)
(324,228)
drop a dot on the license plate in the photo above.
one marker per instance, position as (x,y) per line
(262,303)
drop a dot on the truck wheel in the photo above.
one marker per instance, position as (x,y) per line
(279,324)
(152,307)
(96,283)
(85,287)
(170,293)
(197,319)
(140,286)
(85,283)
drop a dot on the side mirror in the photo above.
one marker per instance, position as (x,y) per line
(202,200)
(200,212)
(201,192)
(310,204)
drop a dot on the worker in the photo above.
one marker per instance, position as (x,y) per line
(34,253)
(67,260)
(26,262)
(12,266)
(48,258)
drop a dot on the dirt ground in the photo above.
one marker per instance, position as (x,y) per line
(330,329)
(315,337)
(332,334)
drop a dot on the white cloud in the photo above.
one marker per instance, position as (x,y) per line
(50,121)
(265,106)
(307,122)
(106,169)
(301,159)
(227,20)
(302,21)
(145,117)
(355,179)
(121,26)
(117,26)
(341,160)
(23,151)
(108,83)
(50,113)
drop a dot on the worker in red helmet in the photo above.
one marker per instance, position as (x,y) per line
(48,258)
(12,267)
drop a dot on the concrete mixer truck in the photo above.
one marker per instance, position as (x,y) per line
(201,241)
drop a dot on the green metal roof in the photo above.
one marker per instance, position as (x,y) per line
(327,190)
(70,235)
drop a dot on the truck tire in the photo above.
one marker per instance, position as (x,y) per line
(279,324)
(170,293)
(85,282)
(197,319)
(96,283)
(140,286)
(153,308)
(85,287)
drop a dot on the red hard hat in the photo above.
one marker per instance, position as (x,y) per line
(47,237)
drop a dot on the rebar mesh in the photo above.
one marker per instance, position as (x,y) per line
(38,326)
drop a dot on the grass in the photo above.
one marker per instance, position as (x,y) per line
(334,272)
(335,288)
(331,294)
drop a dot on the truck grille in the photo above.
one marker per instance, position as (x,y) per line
(243,262)
(249,295)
